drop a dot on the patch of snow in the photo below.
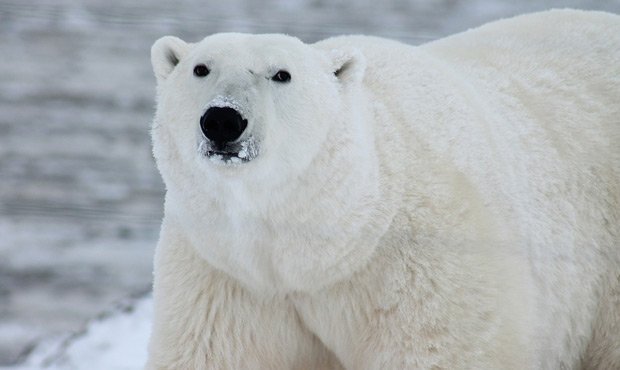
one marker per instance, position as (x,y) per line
(243,153)
(222,101)
(248,151)
(216,158)
(116,340)
(249,148)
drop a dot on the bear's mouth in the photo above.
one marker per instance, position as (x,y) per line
(231,153)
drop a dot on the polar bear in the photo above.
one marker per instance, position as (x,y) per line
(359,203)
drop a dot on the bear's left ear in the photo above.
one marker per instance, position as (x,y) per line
(348,65)
(166,53)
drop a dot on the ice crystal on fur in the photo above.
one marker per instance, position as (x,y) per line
(222,101)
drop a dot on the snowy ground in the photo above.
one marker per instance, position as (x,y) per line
(80,199)
(98,346)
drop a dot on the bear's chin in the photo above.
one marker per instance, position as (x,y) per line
(236,153)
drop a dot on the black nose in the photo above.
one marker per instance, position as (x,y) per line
(222,124)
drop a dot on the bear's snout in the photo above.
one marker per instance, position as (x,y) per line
(222,125)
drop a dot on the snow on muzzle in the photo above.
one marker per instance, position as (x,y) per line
(222,124)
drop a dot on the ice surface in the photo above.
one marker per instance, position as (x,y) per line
(80,198)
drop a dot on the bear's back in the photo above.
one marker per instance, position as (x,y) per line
(528,108)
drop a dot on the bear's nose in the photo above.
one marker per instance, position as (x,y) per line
(222,125)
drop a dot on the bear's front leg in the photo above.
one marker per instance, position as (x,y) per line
(205,320)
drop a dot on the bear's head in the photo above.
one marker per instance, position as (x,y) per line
(257,133)
(240,103)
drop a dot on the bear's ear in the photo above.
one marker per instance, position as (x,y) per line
(166,53)
(348,65)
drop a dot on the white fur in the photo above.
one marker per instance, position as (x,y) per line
(449,206)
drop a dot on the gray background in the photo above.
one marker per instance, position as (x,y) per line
(80,198)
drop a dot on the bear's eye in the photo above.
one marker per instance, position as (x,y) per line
(201,70)
(281,76)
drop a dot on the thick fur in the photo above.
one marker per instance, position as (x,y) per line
(449,206)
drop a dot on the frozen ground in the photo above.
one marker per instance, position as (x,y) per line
(98,346)
(80,199)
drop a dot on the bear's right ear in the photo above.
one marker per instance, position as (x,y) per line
(348,65)
(166,53)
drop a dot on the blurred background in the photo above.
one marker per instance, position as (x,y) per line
(80,197)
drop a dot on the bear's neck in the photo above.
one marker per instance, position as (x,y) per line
(320,228)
